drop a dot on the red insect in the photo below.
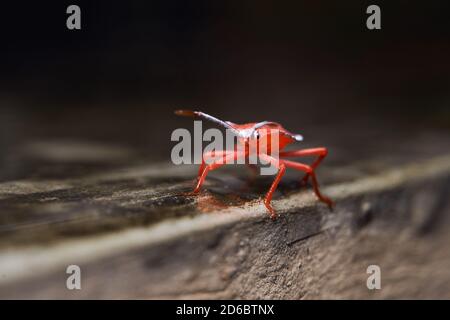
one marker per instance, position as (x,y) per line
(248,131)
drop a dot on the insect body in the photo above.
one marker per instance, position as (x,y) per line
(262,130)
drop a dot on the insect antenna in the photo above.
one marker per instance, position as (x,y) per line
(202,115)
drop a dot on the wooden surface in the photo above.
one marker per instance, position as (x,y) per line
(85,124)
(126,221)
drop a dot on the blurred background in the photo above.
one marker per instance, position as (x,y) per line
(311,65)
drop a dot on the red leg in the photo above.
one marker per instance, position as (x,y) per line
(281,169)
(222,153)
(321,153)
(215,165)
(310,171)
(209,154)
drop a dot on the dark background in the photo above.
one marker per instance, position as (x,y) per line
(312,65)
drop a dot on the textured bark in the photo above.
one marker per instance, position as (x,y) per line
(135,235)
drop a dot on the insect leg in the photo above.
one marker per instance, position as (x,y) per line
(209,154)
(222,153)
(215,165)
(309,170)
(281,169)
(321,153)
